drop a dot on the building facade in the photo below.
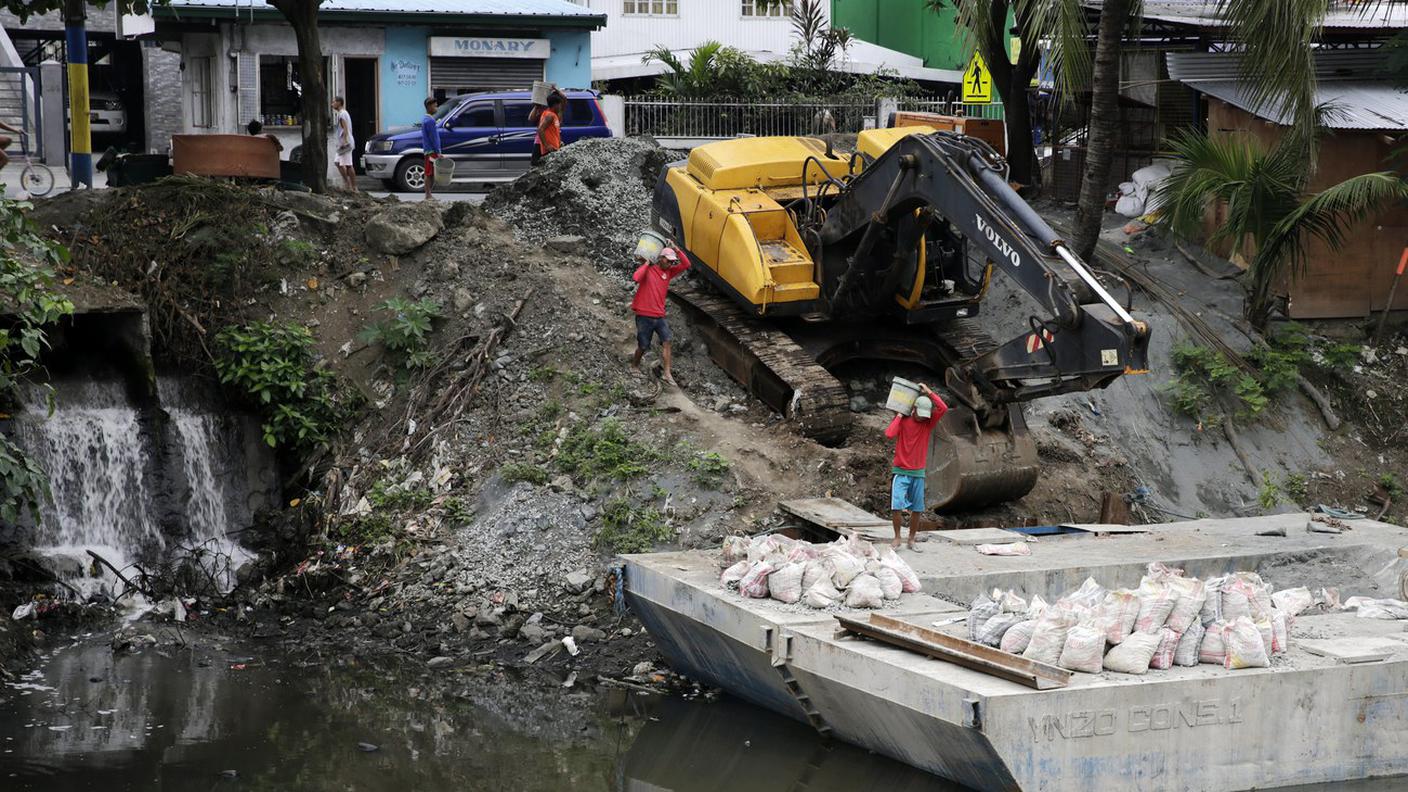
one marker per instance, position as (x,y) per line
(239,60)
(899,36)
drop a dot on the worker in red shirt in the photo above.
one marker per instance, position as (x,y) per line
(652,284)
(911,435)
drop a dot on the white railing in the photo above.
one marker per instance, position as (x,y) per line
(710,119)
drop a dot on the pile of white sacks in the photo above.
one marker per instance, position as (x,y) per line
(1232,621)
(850,572)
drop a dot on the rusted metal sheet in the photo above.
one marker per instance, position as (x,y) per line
(958,651)
(241,156)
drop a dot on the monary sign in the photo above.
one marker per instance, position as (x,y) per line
(484,47)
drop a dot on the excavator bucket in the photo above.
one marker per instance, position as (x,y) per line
(971,466)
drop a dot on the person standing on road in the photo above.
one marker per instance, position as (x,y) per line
(430,143)
(911,435)
(342,122)
(652,284)
(549,137)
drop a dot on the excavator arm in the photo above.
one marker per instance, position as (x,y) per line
(1088,339)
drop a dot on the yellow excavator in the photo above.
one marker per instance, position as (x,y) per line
(816,259)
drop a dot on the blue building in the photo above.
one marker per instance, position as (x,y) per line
(239,59)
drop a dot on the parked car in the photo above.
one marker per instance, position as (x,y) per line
(488,135)
(106,113)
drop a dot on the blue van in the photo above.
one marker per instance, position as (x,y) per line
(488,135)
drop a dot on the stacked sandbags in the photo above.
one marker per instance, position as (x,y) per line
(1170,620)
(850,572)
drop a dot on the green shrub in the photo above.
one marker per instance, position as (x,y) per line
(627,528)
(514,472)
(709,468)
(386,494)
(459,511)
(272,366)
(1269,495)
(1296,486)
(372,528)
(605,451)
(406,334)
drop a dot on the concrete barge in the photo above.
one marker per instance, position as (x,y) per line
(1307,719)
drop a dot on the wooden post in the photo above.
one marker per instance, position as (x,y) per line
(1392,290)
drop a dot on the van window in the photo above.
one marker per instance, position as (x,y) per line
(479,115)
(516,115)
(579,113)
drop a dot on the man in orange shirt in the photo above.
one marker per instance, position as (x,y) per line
(549,137)
(911,435)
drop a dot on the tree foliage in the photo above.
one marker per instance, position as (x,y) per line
(273,368)
(31,305)
(1268,213)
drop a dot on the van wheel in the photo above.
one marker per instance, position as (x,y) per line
(410,175)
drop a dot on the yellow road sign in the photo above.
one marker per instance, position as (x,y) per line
(977,82)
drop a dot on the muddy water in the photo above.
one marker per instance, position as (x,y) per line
(212,719)
(216,719)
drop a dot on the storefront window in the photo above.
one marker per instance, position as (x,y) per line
(281,90)
(755,8)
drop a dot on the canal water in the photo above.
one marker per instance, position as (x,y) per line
(219,718)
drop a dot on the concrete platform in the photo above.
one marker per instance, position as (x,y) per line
(1308,719)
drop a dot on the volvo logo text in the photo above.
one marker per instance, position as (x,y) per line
(1001,244)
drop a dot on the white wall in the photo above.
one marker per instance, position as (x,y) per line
(698,21)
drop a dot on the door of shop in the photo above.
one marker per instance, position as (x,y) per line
(362,103)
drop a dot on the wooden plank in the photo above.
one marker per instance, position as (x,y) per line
(932,643)
(840,517)
(1106,528)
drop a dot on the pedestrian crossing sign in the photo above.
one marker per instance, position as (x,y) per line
(977,82)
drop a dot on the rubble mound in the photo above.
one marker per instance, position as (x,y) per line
(598,189)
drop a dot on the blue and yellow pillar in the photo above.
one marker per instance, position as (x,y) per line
(80,141)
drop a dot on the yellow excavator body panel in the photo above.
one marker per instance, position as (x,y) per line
(734,225)
(874,142)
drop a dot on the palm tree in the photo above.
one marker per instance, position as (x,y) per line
(1115,17)
(1269,216)
(699,77)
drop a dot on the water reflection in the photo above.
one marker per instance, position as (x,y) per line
(179,720)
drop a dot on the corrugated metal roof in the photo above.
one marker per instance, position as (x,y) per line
(1347,86)
(529,8)
(1342,15)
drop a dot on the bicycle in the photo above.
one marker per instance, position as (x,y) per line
(36,178)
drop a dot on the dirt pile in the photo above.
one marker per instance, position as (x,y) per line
(599,189)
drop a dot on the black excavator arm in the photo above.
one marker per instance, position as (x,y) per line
(1089,338)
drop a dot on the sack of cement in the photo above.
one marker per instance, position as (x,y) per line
(821,594)
(1191,595)
(1018,637)
(1213,649)
(1008,549)
(1212,605)
(1370,608)
(992,631)
(908,579)
(844,567)
(755,583)
(1293,601)
(979,612)
(1133,656)
(1049,637)
(813,571)
(1156,601)
(1245,648)
(735,548)
(890,583)
(1187,652)
(735,573)
(1280,632)
(1120,609)
(1088,597)
(865,592)
(785,583)
(1084,650)
(1162,658)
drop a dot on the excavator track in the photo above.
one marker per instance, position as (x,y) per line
(772,366)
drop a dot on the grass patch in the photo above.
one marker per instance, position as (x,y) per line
(514,472)
(708,468)
(387,494)
(604,451)
(629,528)
(373,528)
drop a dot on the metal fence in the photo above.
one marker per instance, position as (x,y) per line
(730,118)
(724,118)
(948,106)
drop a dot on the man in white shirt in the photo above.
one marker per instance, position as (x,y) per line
(342,122)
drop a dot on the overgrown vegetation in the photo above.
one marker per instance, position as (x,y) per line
(1207,384)
(708,467)
(1269,494)
(605,451)
(27,275)
(630,528)
(399,496)
(405,334)
(272,366)
(514,472)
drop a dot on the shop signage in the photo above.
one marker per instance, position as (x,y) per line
(485,47)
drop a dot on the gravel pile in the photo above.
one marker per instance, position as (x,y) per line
(598,189)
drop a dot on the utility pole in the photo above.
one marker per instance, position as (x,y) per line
(80,140)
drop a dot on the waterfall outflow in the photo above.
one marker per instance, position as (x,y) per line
(136,483)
